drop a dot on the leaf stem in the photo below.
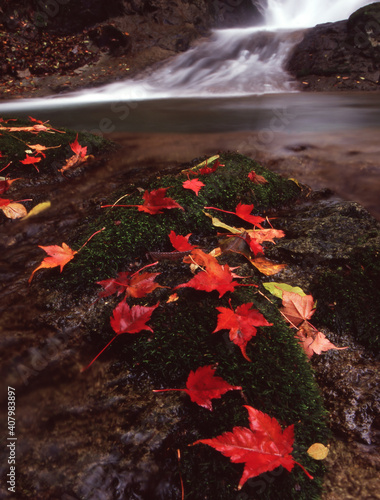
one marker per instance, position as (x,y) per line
(96,357)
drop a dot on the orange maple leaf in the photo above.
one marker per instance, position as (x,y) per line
(58,256)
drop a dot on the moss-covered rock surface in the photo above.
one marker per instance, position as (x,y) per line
(121,438)
(279,380)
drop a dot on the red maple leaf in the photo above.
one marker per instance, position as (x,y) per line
(194,184)
(297,308)
(181,243)
(244,212)
(31,160)
(78,149)
(133,285)
(202,386)
(127,319)
(214,277)
(262,447)
(155,201)
(241,323)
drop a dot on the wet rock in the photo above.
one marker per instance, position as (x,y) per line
(340,56)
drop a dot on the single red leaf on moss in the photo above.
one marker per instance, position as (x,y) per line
(127,319)
(194,184)
(78,149)
(133,319)
(244,212)
(202,386)
(297,308)
(31,160)
(241,323)
(181,243)
(133,285)
(256,178)
(155,201)
(262,447)
(57,256)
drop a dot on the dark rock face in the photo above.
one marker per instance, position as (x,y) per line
(340,56)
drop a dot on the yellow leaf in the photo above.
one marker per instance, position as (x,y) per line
(38,209)
(218,223)
(318,451)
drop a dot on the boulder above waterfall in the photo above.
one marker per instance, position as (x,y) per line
(340,56)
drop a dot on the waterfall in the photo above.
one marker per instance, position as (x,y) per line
(231,62)
(307,13)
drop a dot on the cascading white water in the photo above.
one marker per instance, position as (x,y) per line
(232,62)
(307,13)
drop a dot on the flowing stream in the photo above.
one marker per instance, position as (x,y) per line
(232,84)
